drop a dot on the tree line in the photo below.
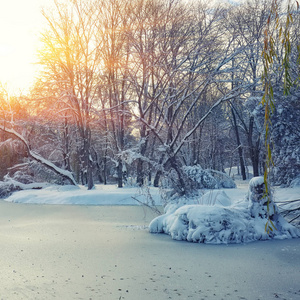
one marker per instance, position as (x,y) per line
(134,91)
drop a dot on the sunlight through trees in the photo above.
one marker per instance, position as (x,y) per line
(133,92)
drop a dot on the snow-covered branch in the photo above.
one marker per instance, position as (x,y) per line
(64,173)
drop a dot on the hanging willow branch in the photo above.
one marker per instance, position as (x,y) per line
(268,56)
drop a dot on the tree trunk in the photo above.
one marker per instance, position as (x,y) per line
(254,149)
(90,180)
(120,173)
(158,173)
(240,149)
(105,168)
(66,153)
(140,164)
(140,173)
(157,178)
(181,187)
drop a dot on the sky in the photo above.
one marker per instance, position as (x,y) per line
(20,24)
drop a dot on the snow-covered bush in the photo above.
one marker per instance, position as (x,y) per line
(18,182)
(258,203)
(30,175)
(20,176)
(208,179)
(295,182)
(11,153)
(202,178)
(42,174)
(13,184)
(32,171)
(239,223)
(224,181)
(7,188)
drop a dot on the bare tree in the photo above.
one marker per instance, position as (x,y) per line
(247,22)
(114,86)
(71,59)
(193,61)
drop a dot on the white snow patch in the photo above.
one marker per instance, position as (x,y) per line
(216,222)
(79,195)
(217,225)
(215,197)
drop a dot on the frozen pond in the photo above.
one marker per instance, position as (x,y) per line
(106,252)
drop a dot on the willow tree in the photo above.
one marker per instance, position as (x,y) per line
(283,25)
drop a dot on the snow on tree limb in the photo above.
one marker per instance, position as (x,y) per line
(64,173)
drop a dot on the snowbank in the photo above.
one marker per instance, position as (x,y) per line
(79,195)
(241,222)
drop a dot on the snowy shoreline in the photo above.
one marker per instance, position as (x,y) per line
(215,216)
(112,195)
(108,195)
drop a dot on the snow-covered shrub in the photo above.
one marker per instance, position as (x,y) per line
(202,178)
(20,176)
(175,202)
(32,171)
(169,181)
(17,183)
(177,184)
(11,184)
(224,181)
(11,153)
(208,179)
(258,203)
(295,182)
(7,188)
(239,223)
(40,173)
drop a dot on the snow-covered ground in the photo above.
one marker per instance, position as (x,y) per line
(79,195)
(112,195)
(106,195)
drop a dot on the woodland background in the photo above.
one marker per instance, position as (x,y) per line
(151,91)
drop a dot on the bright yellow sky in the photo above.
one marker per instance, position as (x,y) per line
(20,24)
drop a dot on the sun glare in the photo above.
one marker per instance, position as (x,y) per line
(20,24)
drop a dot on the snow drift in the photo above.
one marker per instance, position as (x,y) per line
(242,222)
